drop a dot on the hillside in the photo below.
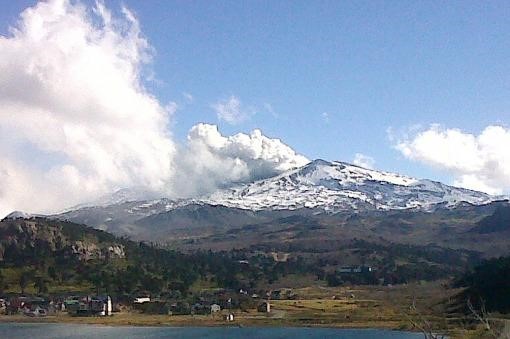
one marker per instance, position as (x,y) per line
(25,239)
(497,222)
(221,228)
(487,285)
(42,255)
(319,217)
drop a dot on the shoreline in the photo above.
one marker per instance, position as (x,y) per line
(140,320)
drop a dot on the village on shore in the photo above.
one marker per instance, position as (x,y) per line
(218,302)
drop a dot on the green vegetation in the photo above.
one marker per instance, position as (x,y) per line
(46,256)
(488,285)
(49,256)
(351,283)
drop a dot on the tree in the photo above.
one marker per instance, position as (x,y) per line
(419,321)
(40,285)
(24,280)
(333,280)
(96,280)
(52,272)
(3,283)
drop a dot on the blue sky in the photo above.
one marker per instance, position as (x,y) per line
(369,66)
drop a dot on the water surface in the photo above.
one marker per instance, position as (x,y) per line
(56,331)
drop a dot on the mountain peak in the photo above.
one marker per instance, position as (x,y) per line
(18,215)
(320,185)
(336,186)
(318,162)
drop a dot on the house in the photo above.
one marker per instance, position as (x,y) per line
(180,308)
(31,306)
(280,257)
(3,306)
(264,307)
(85,306)
(155,307)
(355,269)
(215,308)
(36,311)
(200,308)
(101,305)
(276,294)
(141,300)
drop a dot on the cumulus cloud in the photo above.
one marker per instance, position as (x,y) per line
(363,160)
(214,160)
(71,89)
(479,162)
(231,111)
(76,121)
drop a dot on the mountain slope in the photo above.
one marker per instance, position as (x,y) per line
(320,187)
(499,221)
(336,186)
(41,255)
(20,236)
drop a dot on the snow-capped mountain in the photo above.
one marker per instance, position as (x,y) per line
(19,215)
(318,188)
(322,185)
(335,186)
(118,197)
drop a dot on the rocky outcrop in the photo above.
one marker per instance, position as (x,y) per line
(41,235)
(88,250)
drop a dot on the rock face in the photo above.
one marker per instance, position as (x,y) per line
(90,250)
(39,234)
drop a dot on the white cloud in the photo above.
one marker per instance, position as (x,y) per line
(363,160)
(188,97)
(325,117)
(71,88)
(269,108)
(171,108)
(76,121)
(231,111)
(211,160)
(480,162)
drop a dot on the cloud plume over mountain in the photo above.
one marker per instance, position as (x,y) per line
(76,120)
(214,160)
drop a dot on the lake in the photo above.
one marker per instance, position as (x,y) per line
(55,331)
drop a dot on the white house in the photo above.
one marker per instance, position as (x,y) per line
(141,300)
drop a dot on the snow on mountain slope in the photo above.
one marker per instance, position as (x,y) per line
(334,186)
(19,215)
(322,185)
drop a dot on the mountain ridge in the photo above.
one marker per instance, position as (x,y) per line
(350,183)
(318,188)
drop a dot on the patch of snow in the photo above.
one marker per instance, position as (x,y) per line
(18,215)
(328,186)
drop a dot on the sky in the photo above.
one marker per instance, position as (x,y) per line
(183,97)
